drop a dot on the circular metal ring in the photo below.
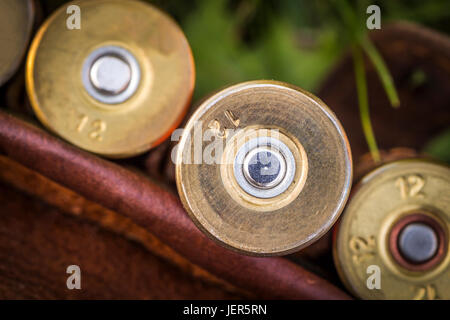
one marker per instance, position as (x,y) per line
(272,216)
(240,165)
(264,167)
(395,235)
(109,86)
(109,97)
(386,201)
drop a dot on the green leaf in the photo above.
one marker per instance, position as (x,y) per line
(382,70)
(439,147)
(363,102)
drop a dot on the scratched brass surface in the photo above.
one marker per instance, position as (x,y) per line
(384,197)
(16,22)
(60,101)
(298,216)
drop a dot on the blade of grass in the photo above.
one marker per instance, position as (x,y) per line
(363,101)
(358,35)
(382,70)
(353,23)
(347,14)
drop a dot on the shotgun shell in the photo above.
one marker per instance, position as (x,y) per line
(264,168)
(16,24)
(392,241)
(116,86)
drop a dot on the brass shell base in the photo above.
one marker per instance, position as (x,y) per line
(264,226)
(60,99)
(385,200)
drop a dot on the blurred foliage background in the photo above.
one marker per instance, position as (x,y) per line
(296,41)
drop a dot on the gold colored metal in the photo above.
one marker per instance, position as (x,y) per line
(164,74)
(16,23)
(313,157)
(385,202)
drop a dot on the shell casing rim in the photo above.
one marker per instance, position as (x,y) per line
(385,260)
(14,66)
(137,135)
(314,103)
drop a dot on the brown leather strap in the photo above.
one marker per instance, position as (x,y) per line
(157,210)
